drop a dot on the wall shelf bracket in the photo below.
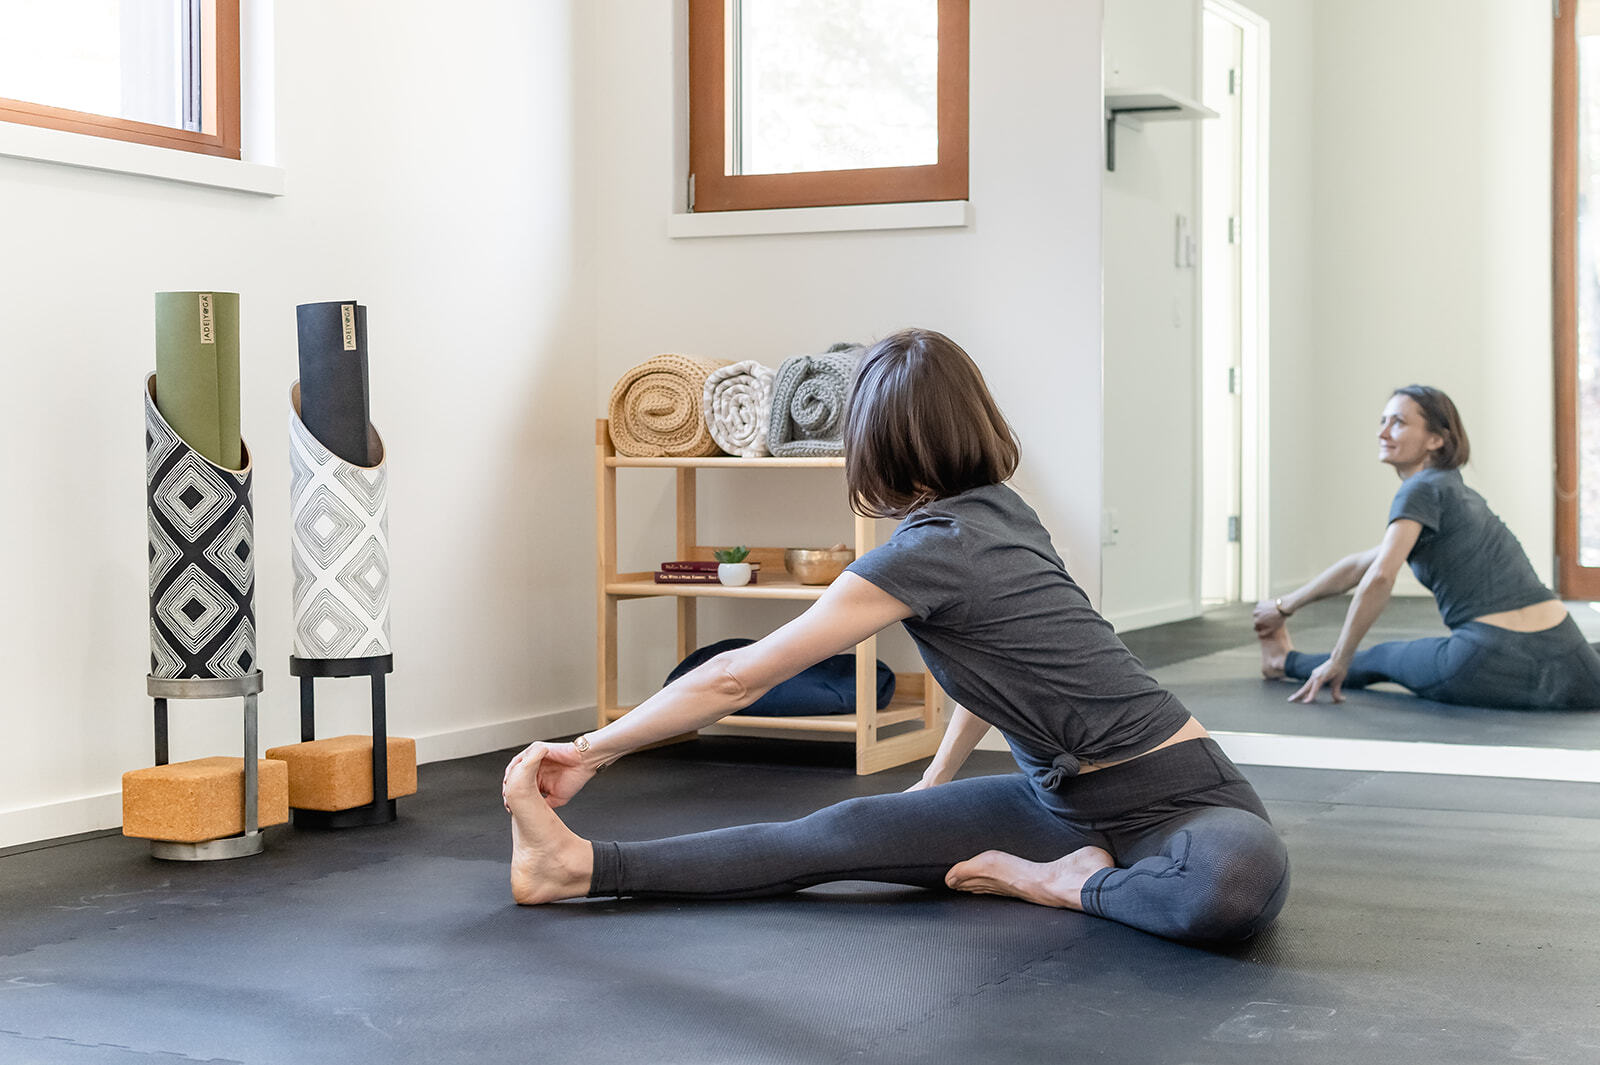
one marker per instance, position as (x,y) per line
(1132,108)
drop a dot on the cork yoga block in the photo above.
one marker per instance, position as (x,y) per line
(336,773)
(200,800)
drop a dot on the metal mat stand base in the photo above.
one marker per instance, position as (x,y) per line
(246,687)
(373,813)
(213,850)
(381,810)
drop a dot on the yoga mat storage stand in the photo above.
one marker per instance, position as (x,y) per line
(339,514)
(200,542)
(382,809)
(247,687)
(909,728)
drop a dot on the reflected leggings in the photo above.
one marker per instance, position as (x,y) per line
(1196,856)
(1481,665)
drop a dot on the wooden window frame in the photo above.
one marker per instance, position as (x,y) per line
(712,188)
(220,103)
(1573,581)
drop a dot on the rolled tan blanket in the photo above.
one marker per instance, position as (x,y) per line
(655,408)
(808,394)
(737,405)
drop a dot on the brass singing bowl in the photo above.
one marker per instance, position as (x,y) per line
(817,565)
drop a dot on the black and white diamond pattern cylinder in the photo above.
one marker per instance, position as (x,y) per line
(202,558)
(339,525)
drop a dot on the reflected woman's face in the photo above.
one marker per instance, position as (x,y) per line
(1404,439)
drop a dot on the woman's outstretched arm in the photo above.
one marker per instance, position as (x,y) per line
(1337,579)
(852,609)
(1372,595)
(961,735)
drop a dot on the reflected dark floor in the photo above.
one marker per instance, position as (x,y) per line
(1213,664)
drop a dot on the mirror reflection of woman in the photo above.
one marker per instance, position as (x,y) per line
(1512,643)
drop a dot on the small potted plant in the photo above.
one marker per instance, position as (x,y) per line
(732,569)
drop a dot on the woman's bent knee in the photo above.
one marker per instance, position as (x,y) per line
(1241,896)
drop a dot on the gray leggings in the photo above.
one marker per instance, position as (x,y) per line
(1196,856)
(1480,665)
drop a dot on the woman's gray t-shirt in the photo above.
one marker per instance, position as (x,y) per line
(1010,635)
(1465,555)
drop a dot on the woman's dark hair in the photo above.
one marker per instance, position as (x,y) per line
(920,425)
(1443,419)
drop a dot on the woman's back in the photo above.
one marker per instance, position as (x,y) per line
(1465,554)
(1011,636)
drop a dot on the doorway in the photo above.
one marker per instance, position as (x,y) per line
(1233,368)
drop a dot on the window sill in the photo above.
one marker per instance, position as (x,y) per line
(940,214)
(99,153)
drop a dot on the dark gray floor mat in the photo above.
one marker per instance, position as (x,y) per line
(1415,932)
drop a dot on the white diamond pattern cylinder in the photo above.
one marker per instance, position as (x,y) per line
(339,521)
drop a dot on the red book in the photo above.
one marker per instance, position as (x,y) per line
(696,565)
(695,577)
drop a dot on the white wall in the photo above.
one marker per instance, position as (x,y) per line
(1020,288)
(1432,254)
(1152,446)
(432,173)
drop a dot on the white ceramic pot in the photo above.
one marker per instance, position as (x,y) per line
(733,574)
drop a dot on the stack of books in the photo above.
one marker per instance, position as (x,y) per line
(695,571)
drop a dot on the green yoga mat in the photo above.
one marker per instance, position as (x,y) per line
(197,371)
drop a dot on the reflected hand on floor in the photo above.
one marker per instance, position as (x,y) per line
(1329,675)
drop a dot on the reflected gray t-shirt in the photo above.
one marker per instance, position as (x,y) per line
(1010,635)
(1465,555)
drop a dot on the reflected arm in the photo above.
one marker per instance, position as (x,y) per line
(1337,579)
(1375,585)
(1372,595)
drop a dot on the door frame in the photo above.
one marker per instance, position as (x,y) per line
(1255,303)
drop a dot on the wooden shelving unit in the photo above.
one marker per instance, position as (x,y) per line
(913,721)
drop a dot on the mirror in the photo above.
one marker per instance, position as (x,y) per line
(1387,223)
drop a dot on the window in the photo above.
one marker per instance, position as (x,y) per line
(160,72)
(810,103)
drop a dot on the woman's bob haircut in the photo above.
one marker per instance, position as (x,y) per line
(920,425)
(1443,419)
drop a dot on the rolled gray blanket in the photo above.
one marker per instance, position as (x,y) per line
(808,394)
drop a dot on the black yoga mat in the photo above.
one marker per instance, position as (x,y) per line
(334,399)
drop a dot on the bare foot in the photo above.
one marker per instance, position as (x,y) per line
(1275,648)
(548,860)
(1058,883)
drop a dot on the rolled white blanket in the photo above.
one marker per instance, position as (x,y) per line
(737,404)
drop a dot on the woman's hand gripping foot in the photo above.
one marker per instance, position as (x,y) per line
(548,860)
(1275,648)
(1058,883)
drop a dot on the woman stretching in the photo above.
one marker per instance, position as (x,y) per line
(1125,807)
(1511,643)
